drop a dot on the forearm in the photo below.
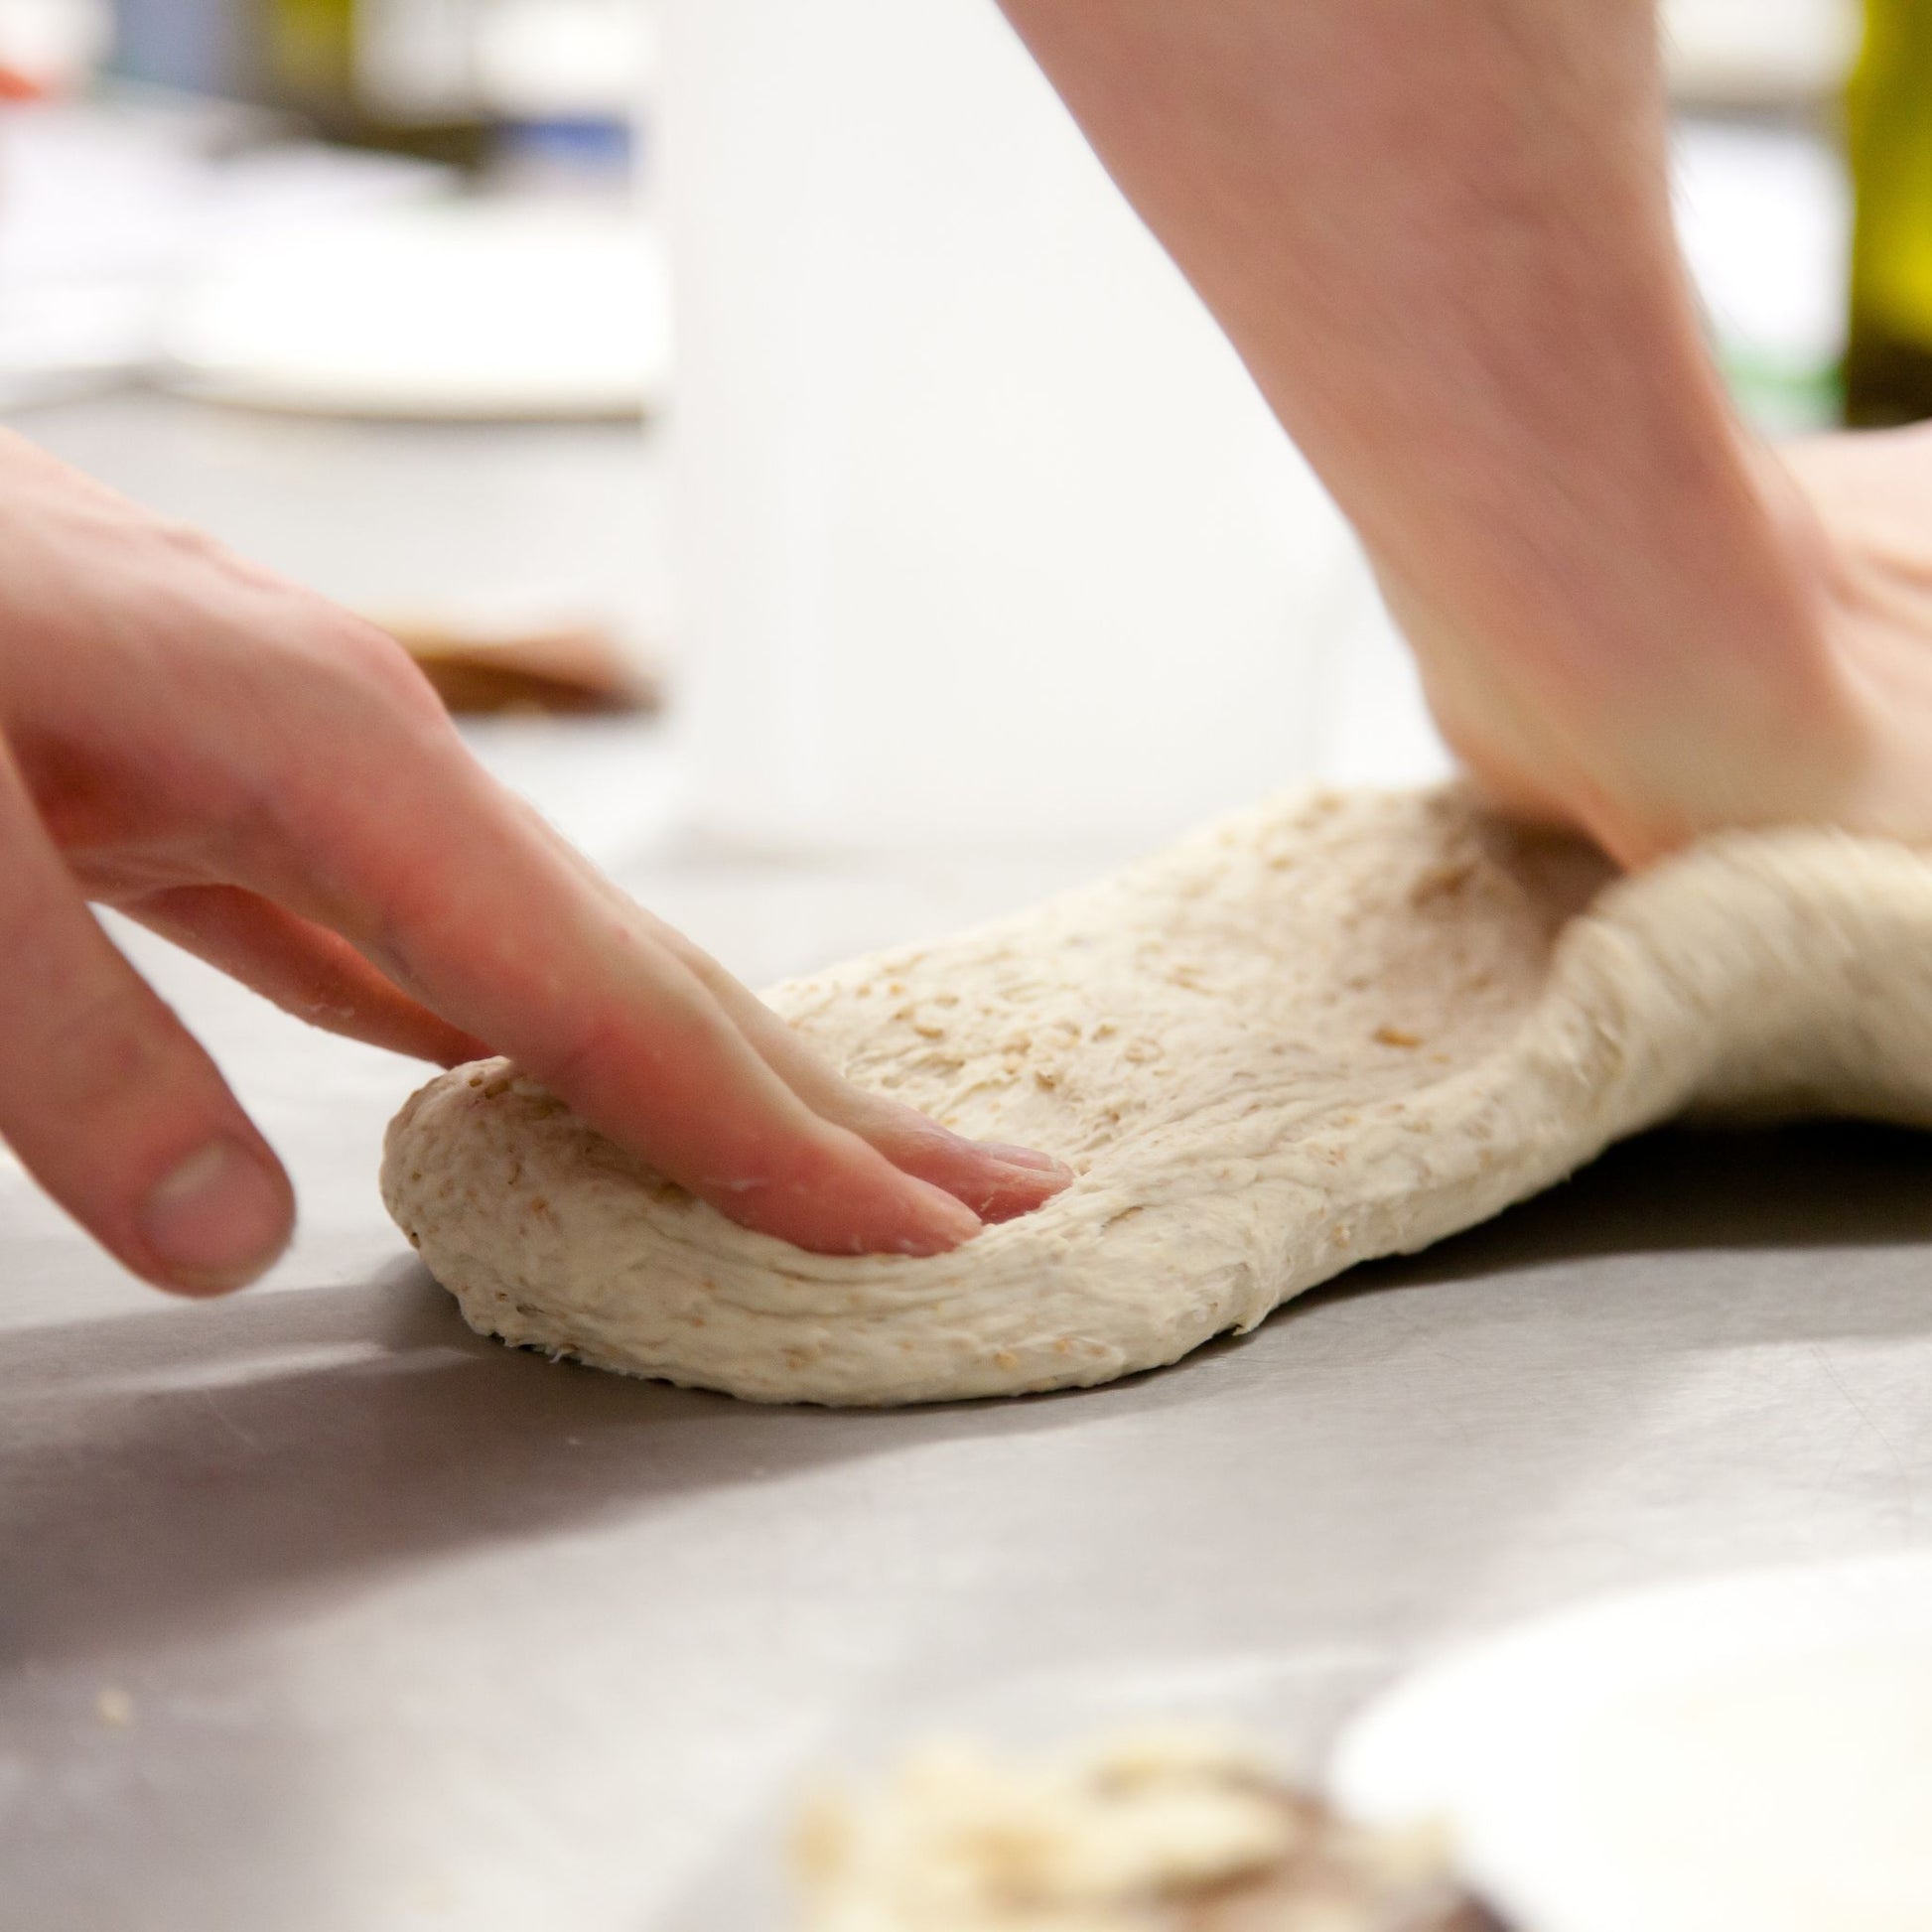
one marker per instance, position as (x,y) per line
(1440,236)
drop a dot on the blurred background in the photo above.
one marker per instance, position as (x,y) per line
(983,542)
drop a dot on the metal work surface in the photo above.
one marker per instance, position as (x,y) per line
(322,1612)
(322,1616)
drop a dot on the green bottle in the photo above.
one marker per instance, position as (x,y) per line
(1888,128)
(311,50)
(346,67)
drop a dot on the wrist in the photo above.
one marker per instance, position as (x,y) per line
(1676,679)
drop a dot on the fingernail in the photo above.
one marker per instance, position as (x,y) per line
(1024,1157)
(948,1223)
(218,1219)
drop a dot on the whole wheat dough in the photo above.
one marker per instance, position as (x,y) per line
(1328,1028)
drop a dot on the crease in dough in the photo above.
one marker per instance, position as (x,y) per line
(1334,1027)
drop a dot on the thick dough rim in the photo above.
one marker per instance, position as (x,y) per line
(1777,973)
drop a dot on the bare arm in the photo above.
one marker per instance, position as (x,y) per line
(1440,236)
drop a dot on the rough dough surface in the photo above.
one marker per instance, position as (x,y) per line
(1328,1028)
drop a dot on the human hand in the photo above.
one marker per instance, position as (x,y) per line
(1646,752)
(1442,242)
(269,782)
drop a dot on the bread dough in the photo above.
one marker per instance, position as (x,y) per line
(1332,1028)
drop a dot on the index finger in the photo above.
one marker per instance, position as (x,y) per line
(459,891)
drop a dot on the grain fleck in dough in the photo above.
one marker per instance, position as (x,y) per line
(1330,1027)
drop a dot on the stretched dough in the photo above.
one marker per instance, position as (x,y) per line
(1330,1027)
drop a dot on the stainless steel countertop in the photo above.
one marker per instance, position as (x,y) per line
(322,1615)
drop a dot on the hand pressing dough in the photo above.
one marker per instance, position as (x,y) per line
(1324,1030)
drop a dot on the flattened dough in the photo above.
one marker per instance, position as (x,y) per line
(1328,1028)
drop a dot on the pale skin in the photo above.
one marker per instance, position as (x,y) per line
(1439,237)
(269,781)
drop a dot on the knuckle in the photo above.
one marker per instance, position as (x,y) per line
(187,542)
(326,664)
(385,669)
(106,1048)
(361,739)
(82,1032)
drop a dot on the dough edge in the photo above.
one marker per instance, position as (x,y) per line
(1769,973)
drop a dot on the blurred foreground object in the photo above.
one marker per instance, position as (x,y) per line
(564,668)
(1746,1754)
(1888,363)
(1166,1832)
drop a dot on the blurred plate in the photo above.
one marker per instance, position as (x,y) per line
(466,310)
(1753,1753)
